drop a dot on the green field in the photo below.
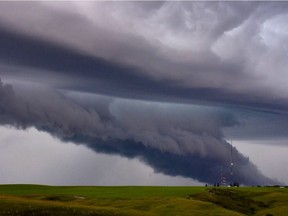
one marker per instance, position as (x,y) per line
(26,200)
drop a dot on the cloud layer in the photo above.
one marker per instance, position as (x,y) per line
(174,139)
(76,66)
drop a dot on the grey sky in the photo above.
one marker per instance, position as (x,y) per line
(149,80)
(26,160)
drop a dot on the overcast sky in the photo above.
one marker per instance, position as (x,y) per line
(162,87)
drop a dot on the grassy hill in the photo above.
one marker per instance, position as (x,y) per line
(134,200)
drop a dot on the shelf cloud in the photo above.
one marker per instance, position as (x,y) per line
(165,82)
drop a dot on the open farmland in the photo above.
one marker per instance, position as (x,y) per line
(135,200)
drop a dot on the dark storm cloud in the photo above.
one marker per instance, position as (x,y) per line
(174,139)
(188,165)
(231,56)
(116,60)
(86,73)
(256,124)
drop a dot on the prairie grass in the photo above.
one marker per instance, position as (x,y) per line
(134,200)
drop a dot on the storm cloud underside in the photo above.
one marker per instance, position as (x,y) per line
(159,81)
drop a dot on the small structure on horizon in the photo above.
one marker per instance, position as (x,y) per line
(231,165)
(229,173)
(223,178)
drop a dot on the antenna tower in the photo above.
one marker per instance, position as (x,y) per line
(223,178)
(231,164)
